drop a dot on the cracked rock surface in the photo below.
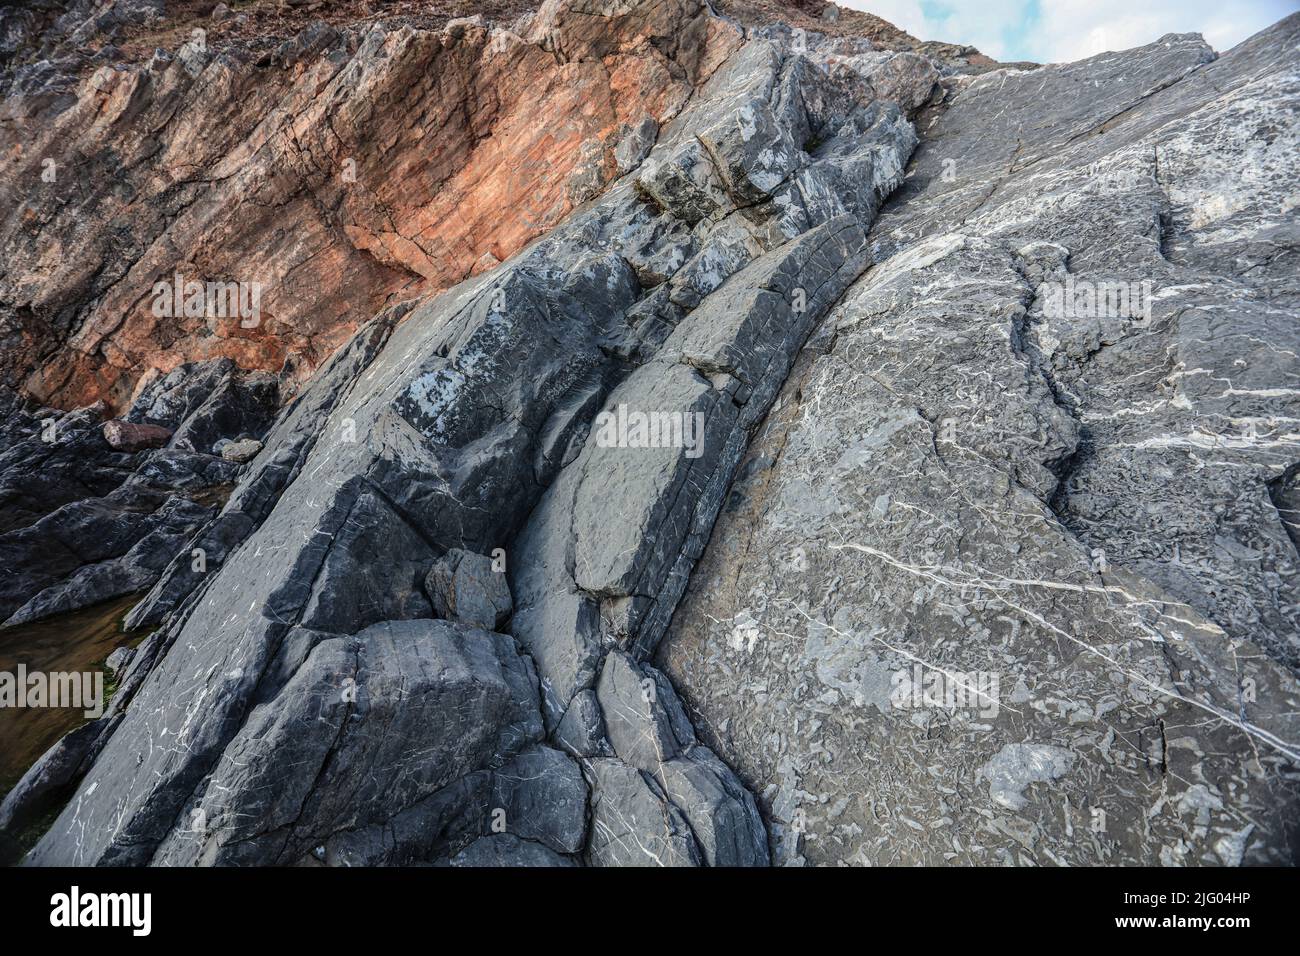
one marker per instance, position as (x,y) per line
(324,690)
(651,445)
(1082,521)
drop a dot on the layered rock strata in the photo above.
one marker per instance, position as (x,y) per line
(478,421)
(962,519)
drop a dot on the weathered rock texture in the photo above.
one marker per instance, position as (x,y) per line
(963,481)
(334,173)
(428,623)
(93,510)
(461,427)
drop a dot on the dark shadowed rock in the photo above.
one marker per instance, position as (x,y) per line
(47,783)
(93,512)
(465,587)
(541,796)
(507,850)
(382,720)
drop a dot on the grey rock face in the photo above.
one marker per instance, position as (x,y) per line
(541,796)
(582,729)
(637,721)
(366,726)
(507,850)
(877,459)
(535,804)
(465,587)
(903,78)
(633,824)
(117,661)
(1009,582)
(636,144)
(722,813)
(481,422)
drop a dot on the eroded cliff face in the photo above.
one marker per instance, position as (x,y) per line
(455,431)
(553,311)
(336,173)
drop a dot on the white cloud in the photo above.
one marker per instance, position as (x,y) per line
(1052,31)
(1073,29)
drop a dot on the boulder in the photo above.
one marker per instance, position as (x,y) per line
(116,662)
(465,587)
(540,796)
(633,824)
(130,437)
(241,451)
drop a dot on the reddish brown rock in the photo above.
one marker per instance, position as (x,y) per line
(355,164)
(128,436)
(345,171)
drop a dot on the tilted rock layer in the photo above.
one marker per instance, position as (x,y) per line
(464,423)
(335,173)
(966,480)
(613,372)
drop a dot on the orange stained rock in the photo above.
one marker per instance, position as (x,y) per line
(389,165)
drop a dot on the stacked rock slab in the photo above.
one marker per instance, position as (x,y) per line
(1079,521)
(95,510)
(267,719)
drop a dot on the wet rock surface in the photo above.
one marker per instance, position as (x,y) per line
(95,511)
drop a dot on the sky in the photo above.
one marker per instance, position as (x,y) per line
(1055,31)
